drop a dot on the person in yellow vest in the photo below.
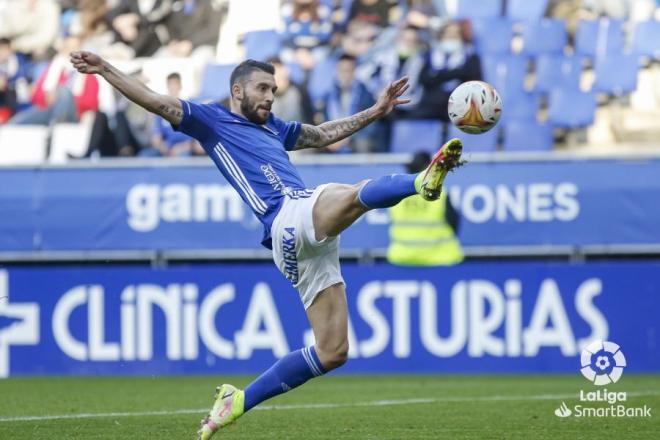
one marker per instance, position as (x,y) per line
(423,233)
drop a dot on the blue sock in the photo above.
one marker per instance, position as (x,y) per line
(292,370)
(387,191)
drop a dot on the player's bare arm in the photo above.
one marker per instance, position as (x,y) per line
(316,136)
(166,106)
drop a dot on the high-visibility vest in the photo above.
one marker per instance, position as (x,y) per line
(420,235)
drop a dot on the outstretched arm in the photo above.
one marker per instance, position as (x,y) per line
(316,136)
(166,106)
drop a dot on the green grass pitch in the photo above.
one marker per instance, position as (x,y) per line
(339,406)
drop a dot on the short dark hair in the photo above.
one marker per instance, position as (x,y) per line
(246,68)
(5,42)
(174,75)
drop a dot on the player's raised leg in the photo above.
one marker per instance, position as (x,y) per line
(339,205)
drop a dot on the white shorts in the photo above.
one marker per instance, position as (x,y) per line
(309,264)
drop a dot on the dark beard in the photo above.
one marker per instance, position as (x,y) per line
(250,112)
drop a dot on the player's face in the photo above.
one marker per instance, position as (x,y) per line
(258,96)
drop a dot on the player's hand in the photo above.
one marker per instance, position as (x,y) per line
(390,96)
(86,62)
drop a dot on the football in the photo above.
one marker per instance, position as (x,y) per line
(474,107)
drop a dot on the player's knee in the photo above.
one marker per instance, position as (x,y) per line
(334,356)
(355,193)
(339,355)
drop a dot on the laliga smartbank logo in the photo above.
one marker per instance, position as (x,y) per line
(602,363)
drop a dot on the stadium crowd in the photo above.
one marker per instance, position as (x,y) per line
(332,57)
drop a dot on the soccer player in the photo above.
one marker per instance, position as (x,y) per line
(248,144)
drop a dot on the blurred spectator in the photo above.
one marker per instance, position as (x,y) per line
(193,27)
(423,233)
(307,32)
(32,25)
(13,79)
(359,38)
(347,97)
(292,102)
(451,60)
(382,13)
(420,13)
(61,94)
(92,17)
(165,141)
(121,127)
(404,58)
(138,24)
(389,63)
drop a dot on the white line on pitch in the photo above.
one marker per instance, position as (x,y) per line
(373,403)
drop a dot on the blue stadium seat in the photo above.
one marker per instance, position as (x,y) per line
(479,9)
(262,45)
(215,82)
(526,10)
(492,35)
(544,36)
(646,39)
(321,79)
(571,108)
(476,143)
(523,106)
(599,37)
(527,136)
(505,73)
(409,136)
(557,71)
(616,73)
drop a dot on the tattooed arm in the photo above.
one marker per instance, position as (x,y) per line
(316,136)
(166,106)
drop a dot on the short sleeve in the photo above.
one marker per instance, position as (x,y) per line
(197,120)
(288,132)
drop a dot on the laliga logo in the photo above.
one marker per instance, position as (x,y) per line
(602,362)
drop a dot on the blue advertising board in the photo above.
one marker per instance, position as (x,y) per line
(212,319)
(519,203)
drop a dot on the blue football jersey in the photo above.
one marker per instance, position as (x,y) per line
(252,157)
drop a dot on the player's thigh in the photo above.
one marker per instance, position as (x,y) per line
(337,207)
(328,316)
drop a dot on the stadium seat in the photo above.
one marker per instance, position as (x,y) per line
(544,36)
(506,73)
(557,71)
(215,82)
(492,35)
(409,136)
(646,39)
(527,136)
(23,144)
(69,139)
(599,37)
(571,108)
(616,74)
(522,106)
(476,143)
(526,10)
(472,9)
(262,45)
